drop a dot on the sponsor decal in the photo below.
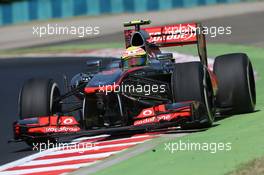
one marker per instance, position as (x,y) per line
(147,112)
(165,117)
(172,33)
(145,121)
(62,129)
(155,119)
(67,121)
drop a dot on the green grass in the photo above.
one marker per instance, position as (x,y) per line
(244,132)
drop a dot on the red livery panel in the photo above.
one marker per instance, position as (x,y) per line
(169,35)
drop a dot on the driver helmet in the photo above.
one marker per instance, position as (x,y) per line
(133,57)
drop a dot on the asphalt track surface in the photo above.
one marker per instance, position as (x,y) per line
(13,73)
(246,29)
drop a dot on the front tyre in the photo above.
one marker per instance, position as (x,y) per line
(37,98)
(191,81)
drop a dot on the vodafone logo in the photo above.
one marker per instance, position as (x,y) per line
(147,112)
(62,129)
(164,117)
(68,121)
(145,121)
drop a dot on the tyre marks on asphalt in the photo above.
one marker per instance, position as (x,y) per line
(60,160)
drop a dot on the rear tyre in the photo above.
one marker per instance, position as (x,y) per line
(236,84)
(37,98)
(191,81)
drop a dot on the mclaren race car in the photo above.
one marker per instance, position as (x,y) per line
(144,88)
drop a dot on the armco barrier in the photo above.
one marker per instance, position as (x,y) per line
(28,10)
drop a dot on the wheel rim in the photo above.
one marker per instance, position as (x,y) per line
(251,85)
(206,98)
(54,107)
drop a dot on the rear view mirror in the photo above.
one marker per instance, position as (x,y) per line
(93,64)
(165,56)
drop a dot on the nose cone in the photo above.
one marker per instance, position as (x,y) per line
(105,78)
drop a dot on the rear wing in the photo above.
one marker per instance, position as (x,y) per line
(169,35)
(172,35)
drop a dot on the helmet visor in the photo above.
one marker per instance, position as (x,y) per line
(134,61)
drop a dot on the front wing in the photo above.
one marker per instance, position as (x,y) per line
(155,117)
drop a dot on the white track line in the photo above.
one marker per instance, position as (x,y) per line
(92,137)
(57,160)
(81,150)
(24,160)
(45,169)
(127,138)
(92,146)
(31,157)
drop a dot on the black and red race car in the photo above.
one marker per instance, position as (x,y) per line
(188,95)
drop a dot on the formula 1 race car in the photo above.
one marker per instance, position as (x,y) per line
(188,95)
